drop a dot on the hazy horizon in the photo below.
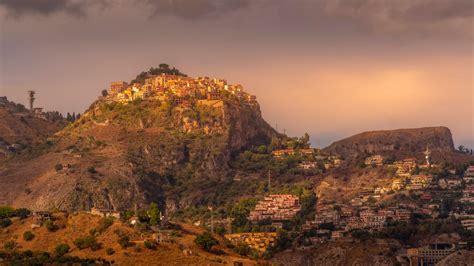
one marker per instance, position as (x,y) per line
(329,68)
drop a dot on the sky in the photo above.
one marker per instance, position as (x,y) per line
(331,68)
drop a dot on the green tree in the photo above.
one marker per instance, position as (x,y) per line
(5,222)
(124,241)
(22,213)
(109,251)
(240,212)
(61,249)
(6,212)
(28,235)
(51,226)
(205,241)
(242,249)
(154,214)
(149,245)
(262,149)
(87,242)
(9,245)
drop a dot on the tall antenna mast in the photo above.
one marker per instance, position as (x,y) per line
(31,95)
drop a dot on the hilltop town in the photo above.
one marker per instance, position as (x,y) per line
(164,84)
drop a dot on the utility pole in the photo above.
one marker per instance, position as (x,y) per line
(212,219)
(269,181)
(31,95)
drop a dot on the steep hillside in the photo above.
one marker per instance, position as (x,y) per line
(341,253)
(20,129)
(126,155)
(414,140)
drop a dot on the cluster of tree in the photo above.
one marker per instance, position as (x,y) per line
(150,216)
(54,116)
(290,143)
(28,257)
(464,150)
(13,107)
(162,69)
(206,241)
(72,117)
(89,241)
(8,212)
(283,241)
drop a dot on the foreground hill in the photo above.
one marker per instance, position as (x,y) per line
(414,140)
(176,247)
(123,154)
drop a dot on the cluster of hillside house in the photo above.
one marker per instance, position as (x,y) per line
(375,160)
(430,254)
(276,208)
(257,241)
(288,152)
(311,158)
(178,89)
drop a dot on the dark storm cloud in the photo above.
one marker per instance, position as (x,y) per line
(18,8)
(402,14)
(194,9)
(377,13)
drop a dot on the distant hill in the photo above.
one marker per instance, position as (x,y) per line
(20,129)
(414,140)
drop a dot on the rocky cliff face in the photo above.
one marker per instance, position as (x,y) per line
(408,140)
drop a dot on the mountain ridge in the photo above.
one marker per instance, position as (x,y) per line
(437,138)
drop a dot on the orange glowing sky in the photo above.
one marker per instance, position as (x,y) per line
(331,68)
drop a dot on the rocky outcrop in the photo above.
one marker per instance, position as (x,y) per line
(408,140)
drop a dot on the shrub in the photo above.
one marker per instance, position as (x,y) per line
(205,241)
(176,233)
(220,230)
(361,235)
(92,170)
(28,236)
(58,167)
(5,222)
(150,245)
(137,249)
(28,253)
(62,249)
(9,245)
(22,213)
(110,251)
(124,241)
(242,249)
(128,214)
(6,212)
(105,223)
(51,226)
(87,242)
